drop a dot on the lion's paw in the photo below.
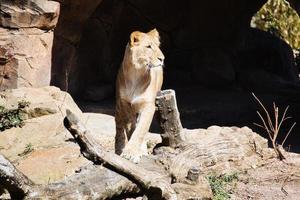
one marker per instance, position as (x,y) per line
(132,155)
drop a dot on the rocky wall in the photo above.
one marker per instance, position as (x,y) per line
(187,30)
(200,40)
(26,38)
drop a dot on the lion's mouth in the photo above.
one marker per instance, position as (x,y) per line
(153,66)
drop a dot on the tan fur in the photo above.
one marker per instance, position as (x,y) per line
(139,79)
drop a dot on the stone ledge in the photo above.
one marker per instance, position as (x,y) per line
(40,14)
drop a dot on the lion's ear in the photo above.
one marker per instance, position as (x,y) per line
(135,38)
(155,35)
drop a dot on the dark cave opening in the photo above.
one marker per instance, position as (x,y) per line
(214,60)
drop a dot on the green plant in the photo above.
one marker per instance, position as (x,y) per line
(12,117)
(219,185)
(28,149)
(272,127)
(279,18)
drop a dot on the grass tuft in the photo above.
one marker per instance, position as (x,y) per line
(28,149)
(10,118)
(219,185)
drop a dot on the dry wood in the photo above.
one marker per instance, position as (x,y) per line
(16,183)
(93,182)
(152,183)
(272,127)
(169,118)
(217,150)
(97,182)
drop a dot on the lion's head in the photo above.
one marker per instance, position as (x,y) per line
(144,51)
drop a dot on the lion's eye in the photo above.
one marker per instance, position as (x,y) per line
(149,47)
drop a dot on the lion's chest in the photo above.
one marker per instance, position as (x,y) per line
(136,91)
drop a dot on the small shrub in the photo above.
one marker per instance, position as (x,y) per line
(273,125)
(10,118)
(218,185)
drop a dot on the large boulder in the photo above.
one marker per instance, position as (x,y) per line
(25,56)
(272,69)
(53,152)
(73,17)
(94,49)
(43,142)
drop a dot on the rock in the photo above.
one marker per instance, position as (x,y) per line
(63,55)
(98,93)
(54,163)
(26,56)
(67,36)
(71,21)
(53,152)
(103,126)
(25,46)
(272,69)
(213,67)
(273,180)
(41,14)
(52,147)
(198,191)
(229,152)
(221,150)
(296,5)
(184,28)
(105,129)
(50,99)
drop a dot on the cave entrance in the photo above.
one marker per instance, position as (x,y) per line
(214,60)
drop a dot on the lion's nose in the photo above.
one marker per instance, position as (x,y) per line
(161,59)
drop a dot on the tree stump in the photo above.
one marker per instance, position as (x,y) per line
(169,118)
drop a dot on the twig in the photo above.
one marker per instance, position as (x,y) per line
(287,135)
(273,128)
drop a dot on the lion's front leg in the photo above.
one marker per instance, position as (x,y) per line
(121,137)
(136,147)
(125,122)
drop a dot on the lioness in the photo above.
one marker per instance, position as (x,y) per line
(139,79)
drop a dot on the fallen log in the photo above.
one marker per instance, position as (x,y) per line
(16,183)
(93,182)
(154,186)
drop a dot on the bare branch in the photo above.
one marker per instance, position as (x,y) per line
(273,129)
(261,126)
(265,125)
(266,112)
(287,135)
(276,113)
(283,117)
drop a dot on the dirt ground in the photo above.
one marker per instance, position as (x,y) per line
(272,180)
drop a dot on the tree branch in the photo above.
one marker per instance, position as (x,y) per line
(150,182)
(17,184)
